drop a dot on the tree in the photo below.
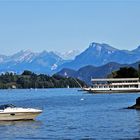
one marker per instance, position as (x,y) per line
(126,72)
(27,72)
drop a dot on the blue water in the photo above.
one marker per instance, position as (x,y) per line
(72,115)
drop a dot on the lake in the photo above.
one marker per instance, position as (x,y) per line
(72,115)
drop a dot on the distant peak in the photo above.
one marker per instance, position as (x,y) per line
(99,46)
(43,53)
(94,44)
(68,55)
(28,50)
(137,49)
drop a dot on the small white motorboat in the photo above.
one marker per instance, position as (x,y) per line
(9,112)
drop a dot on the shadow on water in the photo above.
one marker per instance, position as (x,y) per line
(19,129)
(21,123)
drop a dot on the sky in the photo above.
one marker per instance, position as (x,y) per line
(63,25)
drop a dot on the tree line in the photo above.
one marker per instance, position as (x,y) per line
(126,72)
(29,79)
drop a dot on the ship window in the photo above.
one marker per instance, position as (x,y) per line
(126,86)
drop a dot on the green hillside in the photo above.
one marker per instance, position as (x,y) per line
(29,79)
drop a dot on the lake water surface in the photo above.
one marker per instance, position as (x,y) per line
(72,115)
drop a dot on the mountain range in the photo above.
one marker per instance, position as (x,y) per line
(96,56)
(44,62)
(88,72)
(99,54)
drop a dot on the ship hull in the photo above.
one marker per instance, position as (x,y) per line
(92,90)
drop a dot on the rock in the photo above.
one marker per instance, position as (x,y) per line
(136,106)
(138,101)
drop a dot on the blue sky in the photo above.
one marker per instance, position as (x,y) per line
(59,25)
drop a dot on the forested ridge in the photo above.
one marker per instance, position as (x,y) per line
(29,79)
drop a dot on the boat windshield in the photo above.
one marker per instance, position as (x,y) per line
(2,107)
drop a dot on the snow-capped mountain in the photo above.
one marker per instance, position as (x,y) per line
(2,58)
(44,62)
(99,54)
(23,56)
(49,62)
(69,55)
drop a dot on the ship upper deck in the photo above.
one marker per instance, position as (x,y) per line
(116,80)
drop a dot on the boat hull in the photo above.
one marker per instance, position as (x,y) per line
(105,91)
(18,116)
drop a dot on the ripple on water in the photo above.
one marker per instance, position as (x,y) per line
(66,116)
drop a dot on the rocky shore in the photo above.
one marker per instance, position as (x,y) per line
(135,106)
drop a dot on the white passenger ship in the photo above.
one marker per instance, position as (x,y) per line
(114,85)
